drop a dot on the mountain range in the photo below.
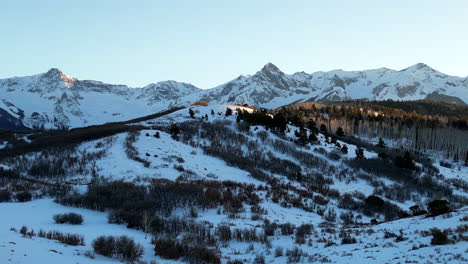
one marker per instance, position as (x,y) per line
(57,100)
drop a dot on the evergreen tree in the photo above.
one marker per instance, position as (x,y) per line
(228,111)
(405,161)
(340,132)
(313,137)
(381,143)
(416,210)
(374,202)
(279,122)
(212,112)
(191,113)
(359,153)
(174,130)
(344,149)
(323,128)
(438,207)
(312,126)
(302,136)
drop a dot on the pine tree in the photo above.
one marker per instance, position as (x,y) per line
(381,143)
(312,126)
(228,111)
(344,149)
(174,130)
(302,136)
(279,122)
(312,137)
(323,128)
(340,132)
(359,153)
(191,113)
(438,207)
(405,161)
(416,210)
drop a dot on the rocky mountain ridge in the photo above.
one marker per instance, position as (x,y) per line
(56,100)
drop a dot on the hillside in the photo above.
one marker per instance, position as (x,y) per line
(217,185)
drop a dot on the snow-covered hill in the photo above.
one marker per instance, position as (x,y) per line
(54,99)
(325,205)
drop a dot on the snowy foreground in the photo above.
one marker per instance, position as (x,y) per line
(37,215)
(406,240)
(370,248)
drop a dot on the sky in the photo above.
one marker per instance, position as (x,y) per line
(207,43)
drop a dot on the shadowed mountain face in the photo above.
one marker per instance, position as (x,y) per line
(54,99)
(7,121)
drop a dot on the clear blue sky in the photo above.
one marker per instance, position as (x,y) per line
(210,42)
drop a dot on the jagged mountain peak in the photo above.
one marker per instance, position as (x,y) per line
(172,85)
(167,91)
(54,71)
(54,74)
(419,67)
(270,68)
(54,95)
(270,87)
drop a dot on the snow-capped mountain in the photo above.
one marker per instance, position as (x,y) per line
(54,99)
(270,87)
(166,91)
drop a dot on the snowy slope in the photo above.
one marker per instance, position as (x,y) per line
(54,99)
(17,249)
(371,244)
(166,156)
(163,155)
